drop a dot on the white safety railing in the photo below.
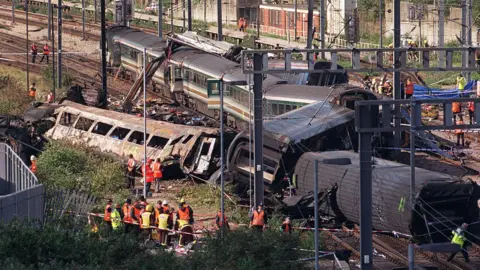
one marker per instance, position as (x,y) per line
(15,175)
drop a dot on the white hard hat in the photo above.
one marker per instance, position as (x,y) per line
(33,157)
(165,202)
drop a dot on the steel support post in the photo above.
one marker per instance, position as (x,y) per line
(365,149)
(469,35)
(183,14)
(219,20)
(13,11)
(464,33)
(189,14)
(95,11)
(145,193)
(411,257)
(309,25)
(83,18)
(103,40)
(413,124)
(294,19)
(59,46)
(396,75)
(258,128)
(49,20)
(160,18)
(441,32)
(26,46)
(124,12)
(322,27)
(380,13)
(171,16)
(54,81)
(222,157)
(258,19)
(315,207)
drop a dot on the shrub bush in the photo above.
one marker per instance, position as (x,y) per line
(78,167)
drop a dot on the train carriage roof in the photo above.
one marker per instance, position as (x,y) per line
(137,39)
(215,66)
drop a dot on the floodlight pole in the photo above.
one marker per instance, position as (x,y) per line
(258,128)
(160,19)
(222,157)
(144,122)
(315,207)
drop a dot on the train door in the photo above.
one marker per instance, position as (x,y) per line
(116,56)
(204,156)
(173,76)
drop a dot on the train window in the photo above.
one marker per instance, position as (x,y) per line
(137,137)
(269,108)
(101,128)
(288,108)
(84,124)
(281,108)
(269,165)
(274,109)
(187,75)
(188,138)
(177,140)
(205,149)
(158,142)
(68,119)
(119,133)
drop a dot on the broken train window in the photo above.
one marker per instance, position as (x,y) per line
(119,133)
(67,119)
(158,142)
(101,128)
(84,124)
(188,138)
(137,137)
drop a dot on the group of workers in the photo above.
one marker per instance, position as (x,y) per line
(141,217)
(151,173)
(34,52)
(32,93)
(242,24)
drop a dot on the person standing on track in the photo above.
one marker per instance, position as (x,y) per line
(46,53)
(157,174)
(34,51)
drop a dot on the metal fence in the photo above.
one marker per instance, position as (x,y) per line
(21,195)
(15,176)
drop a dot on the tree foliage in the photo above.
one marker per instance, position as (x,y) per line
(77,167)
(13,96)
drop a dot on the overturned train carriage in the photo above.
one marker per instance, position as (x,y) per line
(194,148)
(441,202)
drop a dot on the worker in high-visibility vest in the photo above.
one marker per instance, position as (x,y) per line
(408,88)
(116,217)
(157,174)
(258,220)
(107,215)
(460,134)
(471,111)
(461,82)
(32,91)
(459,239)
(146,220)
(165,223)
(457,110)
(33,166)
(127,210)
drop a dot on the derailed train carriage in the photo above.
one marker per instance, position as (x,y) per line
(193,149)
(442,203)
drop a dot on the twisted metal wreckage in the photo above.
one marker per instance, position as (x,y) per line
(292,140)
